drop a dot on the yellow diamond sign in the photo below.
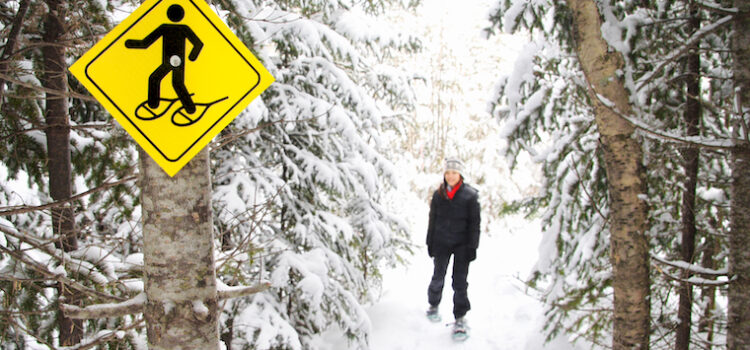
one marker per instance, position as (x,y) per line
(173,75)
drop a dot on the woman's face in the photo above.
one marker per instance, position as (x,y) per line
(452,177)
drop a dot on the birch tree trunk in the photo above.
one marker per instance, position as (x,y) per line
(181,311)
(626,180)
(738,322)
(690,156)
(57,131)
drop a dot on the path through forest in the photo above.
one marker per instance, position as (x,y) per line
(503,317)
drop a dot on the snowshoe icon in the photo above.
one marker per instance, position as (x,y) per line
(182,117)
(144,112)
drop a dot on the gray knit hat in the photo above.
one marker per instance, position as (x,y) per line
(454,164)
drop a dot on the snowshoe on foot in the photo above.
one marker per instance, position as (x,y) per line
(432,314)
(460,330)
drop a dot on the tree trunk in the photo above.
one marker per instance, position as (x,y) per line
(228,336)
(57,131)
(690,155)
(738,318)
(625,176)
(10,45)
(181,311)
(708,293)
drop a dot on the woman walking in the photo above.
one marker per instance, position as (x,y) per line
(453,230)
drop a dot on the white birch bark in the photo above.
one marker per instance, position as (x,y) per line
(181,309)
(625,177)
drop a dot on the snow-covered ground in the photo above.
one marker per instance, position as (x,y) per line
(502,315)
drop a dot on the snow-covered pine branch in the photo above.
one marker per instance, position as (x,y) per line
(80,262)
(693,268)
(697,281)
(672,57)
(699,141)
(42,267)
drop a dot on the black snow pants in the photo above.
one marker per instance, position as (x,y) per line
(461,261)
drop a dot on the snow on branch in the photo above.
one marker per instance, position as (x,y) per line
(714,7)
(680,51)
(103,336)
(697,281)
(716,144)
(226,292)
(135,305)
(694,280)
(696,269)
(46,272)
(75,261)
(128,307)
(6,211)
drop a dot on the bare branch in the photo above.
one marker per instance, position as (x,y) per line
(44,271)
(237,292)
(5,211)
(692,41)
(700,282)
(50,92)
(721,144)
(714,7)
(232,137)
(10,43)
(696,281)
(102,337)
(586,192)
(128,307)
(696,269)
(136,304)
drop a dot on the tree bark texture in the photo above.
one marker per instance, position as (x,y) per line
(10,45)
(181,309)
(690,156)
(625,176)
(738,318)
(57,132)
(708,293)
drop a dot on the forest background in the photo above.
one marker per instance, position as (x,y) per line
(634,111)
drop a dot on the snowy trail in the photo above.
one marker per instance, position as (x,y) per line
(502,316)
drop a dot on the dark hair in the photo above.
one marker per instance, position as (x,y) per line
(443,187)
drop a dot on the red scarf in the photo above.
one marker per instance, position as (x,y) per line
(452,192)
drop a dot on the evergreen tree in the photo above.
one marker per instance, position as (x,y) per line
(655,42)
(34,65)
(299,196)
(738,321)
(299,179)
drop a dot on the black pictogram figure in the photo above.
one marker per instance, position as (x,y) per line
(179,118)
(173,57)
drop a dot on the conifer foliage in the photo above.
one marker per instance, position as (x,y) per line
(298,179)
(310,180)
(546,112)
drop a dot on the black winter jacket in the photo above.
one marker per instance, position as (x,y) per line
(454,224)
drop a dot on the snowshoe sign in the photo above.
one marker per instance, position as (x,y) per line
(173,75)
